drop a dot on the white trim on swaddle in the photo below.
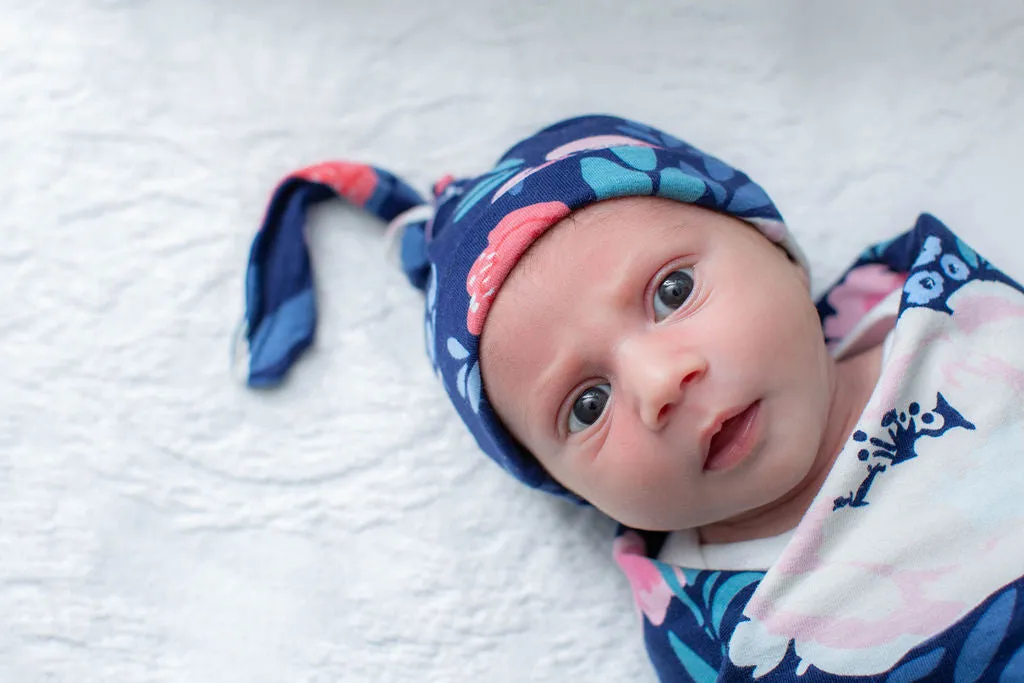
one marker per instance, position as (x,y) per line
(683,548)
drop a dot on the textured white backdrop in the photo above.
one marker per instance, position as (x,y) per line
(160,523)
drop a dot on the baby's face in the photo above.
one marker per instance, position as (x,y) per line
(663,361)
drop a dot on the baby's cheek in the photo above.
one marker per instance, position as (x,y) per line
(790,336)
(638,484)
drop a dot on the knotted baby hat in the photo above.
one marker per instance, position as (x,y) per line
(459,246)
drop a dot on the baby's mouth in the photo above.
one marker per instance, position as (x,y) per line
(733,441)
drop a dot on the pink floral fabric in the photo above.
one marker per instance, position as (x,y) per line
(861,290)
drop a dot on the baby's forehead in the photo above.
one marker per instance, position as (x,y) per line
(539,271)
(590,240)
(659,217)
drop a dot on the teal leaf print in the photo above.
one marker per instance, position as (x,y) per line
(502,172)
(677,590)
(969,254)
(716,188)
(641,158)
(674,184)
(698,669)
(726,593)
(708,585)
(607,179)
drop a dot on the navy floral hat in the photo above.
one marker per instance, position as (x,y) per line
(459,247)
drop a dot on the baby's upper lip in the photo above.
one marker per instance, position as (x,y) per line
(715,426)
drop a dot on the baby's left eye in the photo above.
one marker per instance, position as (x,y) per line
(672,292)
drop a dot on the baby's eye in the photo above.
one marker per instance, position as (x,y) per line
(587,409)
(672,292)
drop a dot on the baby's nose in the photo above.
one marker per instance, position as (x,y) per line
(657,375)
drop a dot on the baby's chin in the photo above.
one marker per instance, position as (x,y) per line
(751,509)
(663,518)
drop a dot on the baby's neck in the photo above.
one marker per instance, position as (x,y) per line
(855,379)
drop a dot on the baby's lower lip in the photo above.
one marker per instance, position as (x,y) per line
(734,441)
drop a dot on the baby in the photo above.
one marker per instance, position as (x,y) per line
(829,490)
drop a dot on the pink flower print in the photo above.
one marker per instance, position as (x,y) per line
(354,182)
(506,243)
(863,289)
(562,151)
(651,592)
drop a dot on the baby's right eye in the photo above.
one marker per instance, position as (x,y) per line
(588,407)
